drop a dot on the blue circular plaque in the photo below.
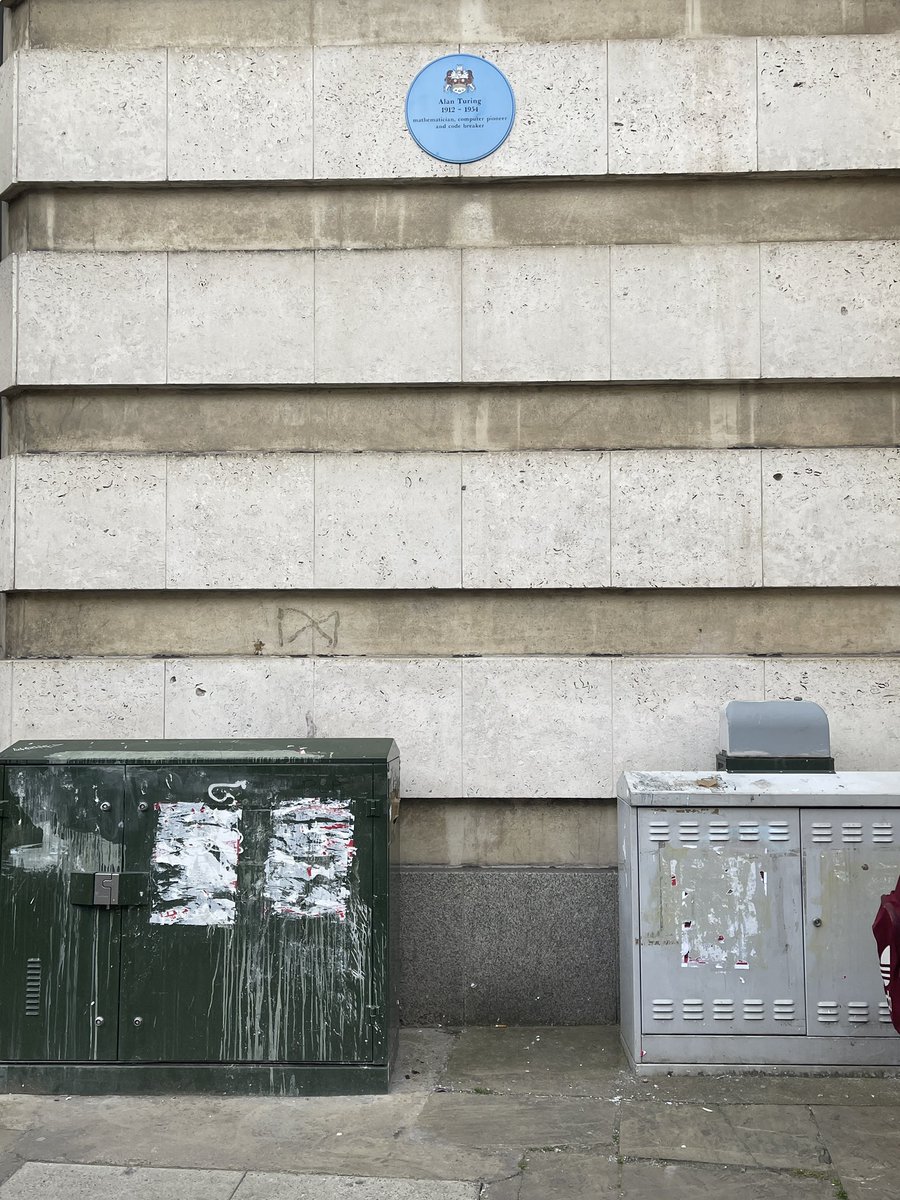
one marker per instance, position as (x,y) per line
(460,108)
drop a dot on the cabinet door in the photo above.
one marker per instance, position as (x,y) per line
(720,946)
(851,857)
(257,943)
(58,959)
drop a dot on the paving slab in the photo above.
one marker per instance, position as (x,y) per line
(421,1059)
(760,1135)
(527,1122)
(55,1181)
(568,1174)
(563,1061)
(376,1136)
(765,1089)
(683,1181)
(864,1144)
(267,1186)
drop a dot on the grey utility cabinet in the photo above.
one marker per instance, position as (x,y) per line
(746,906)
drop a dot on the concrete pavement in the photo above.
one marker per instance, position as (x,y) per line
(489,1113)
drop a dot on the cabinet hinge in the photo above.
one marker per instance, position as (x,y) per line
(374,808)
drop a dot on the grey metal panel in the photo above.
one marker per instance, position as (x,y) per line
(720,927)
(629,960)
(822,1053)
(865,789)
(851,857)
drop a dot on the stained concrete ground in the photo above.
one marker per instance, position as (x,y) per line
(495,1113)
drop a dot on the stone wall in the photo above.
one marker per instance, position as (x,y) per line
(531,464)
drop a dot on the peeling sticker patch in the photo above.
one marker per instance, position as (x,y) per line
(308,864)
(194,865)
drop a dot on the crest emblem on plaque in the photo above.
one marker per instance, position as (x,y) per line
(459,80)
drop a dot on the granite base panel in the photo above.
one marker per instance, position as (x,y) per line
(517,946)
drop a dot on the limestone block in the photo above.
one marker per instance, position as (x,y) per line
(536,313)
(417,702)
(387,521)
(6,701)
(90,521)
(92,319)
(861,697)
(241,317)
(682,106)
(8,121)
(535,520)
(239,697)
(832,517)
(388,316)
(830,309)
(240,115)
(91,116)
(666,710)
(9,307)
(240,521)
(537,727)
(87,698)
(686,518)
(685,312)
(560,125)
(7,522)
(829,103)
(360,118)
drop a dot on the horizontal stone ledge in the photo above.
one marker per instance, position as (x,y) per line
(475,215)
(699,622)
(453,418)
(144,24)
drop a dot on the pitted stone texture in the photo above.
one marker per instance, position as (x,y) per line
(238,697)
(240,115)
(6,669)
(9,316)
(686,518)
(666,710)
(831,517)
(90,521)
(9,80)
(830,309)
(536,520)
(95,698)
(414,701)
(685,312)
(537,727)
(388,521)
(360,122)
(80,1181)
(861,697)
(94,116)
(7,522)
(829,103)
(92,319)
(237,317)
(560,96)
(239,521)
(677,107)
(536,313)
(388,316)
(261,1186)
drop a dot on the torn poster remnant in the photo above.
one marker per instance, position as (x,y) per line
(194,865)
(308,864)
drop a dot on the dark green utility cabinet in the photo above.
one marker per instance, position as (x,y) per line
(197,916)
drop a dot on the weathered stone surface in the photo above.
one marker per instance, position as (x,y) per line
(569,1061)
(240,115)
(682,106)
(59,1181)
(535,314)
(683,312)
(684,518)
(831,517)
(262,1186)
(865,1147)
(416,702)
(7,523)
(535,520)
(829,104)
(686,1181)
(240,318)
(9,86)
(243,697)
(536,727)
(9,308)
(100,698)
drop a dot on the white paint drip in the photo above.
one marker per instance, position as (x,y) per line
(309,859)
(194,865)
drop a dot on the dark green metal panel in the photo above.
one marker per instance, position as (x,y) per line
(238,750)
(160,1079)
(58,960)
(248,951)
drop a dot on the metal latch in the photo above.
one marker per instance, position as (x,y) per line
(109,889)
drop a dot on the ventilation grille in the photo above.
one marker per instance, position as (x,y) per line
(33,987)
(726,1009)
(852,833)
(663,1010)
(784,1010)
(692,1010)
(690,832)
(828,1012)
(884,1013)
